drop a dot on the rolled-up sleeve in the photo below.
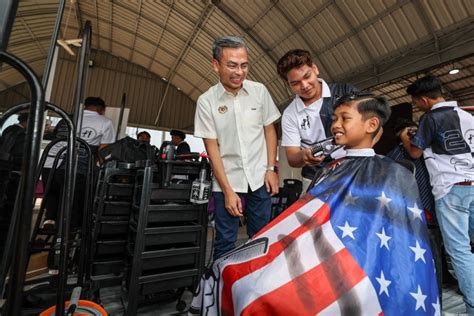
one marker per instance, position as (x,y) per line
(270,110)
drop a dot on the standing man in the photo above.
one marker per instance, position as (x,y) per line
(177,138)
(98,131)
(235,119)
(308,118)
(444,138)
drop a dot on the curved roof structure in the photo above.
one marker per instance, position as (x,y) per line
(379,44)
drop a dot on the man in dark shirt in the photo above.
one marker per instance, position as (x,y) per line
(177,138)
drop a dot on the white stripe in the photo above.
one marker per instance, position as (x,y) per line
(289,224)
(367,296)
(277,273)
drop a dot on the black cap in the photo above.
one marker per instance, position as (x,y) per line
(94,101)
(175,132)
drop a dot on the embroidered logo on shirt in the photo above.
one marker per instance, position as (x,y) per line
(305,123)
(222,109)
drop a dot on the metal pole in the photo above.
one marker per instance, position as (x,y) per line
(52,46)
(7,17)
(122,109)
(27,183)
(71,166)
(82,74)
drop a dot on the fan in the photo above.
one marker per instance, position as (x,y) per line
(65,43)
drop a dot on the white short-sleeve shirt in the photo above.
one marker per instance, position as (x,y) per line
(96,130)
(301,125)
(237,122)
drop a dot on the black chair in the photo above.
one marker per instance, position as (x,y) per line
(288,195)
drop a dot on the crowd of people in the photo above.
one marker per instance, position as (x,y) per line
(236,120)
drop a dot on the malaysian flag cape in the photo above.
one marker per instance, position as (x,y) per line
(356,244)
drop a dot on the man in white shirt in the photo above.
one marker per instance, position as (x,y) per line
(235,119)
(98,131)
(308,118)
(445,140)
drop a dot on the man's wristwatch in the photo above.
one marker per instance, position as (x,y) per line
(272,168)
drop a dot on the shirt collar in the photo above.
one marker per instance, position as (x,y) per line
(363,152)
(221,91)
(444,104)
(325,93)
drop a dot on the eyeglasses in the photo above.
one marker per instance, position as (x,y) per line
(233,66)
(356,95)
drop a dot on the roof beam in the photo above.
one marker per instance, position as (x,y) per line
(324,68)
(198,26)
(97,22)
(426,22)
(356,33)
(78,15)
(111,25)
(160,35)
(33,37)
(136,29)
(457,41)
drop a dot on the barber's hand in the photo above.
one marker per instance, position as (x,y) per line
(233,204)
(309,159)
(271,182)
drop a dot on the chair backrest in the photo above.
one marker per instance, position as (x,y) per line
(292,189)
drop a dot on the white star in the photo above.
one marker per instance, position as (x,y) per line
(383,239)
(384,200)
(420,299)
(349,199)
(419,252)
(384,283)
(347,230)
(437,308)
(416,212)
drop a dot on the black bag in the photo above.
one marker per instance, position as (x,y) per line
(128,150)
(11,146)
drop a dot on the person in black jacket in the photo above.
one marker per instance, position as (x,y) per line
(177,138)
(308,118)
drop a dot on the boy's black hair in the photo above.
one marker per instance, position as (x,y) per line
(428,86)
(368,105)
(23,117)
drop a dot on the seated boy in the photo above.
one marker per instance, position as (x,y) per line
(355,244)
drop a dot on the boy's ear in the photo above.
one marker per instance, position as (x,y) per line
(373,124)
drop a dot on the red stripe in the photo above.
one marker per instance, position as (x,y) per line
(234,272)
(296,298)
(293,208)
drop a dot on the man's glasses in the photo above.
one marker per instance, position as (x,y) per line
(351,97)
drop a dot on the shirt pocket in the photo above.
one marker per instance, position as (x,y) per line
(253,117)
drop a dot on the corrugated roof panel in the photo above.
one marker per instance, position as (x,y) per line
(173,44)
(155,10)
(329,59)
(178,24)
(299,10)
(293,42)
(125,37)
(268,31)
(413,28)
(183,82)
(200,62)
(189,74)
(219,22)
(191,10)
(253,9)
(444,17)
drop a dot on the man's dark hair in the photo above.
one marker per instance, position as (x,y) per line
(143,133)
(402,123)
(180,134)
(428,86)
(368,106)
(91,101)
(23,117)
(226,42)
(293,59)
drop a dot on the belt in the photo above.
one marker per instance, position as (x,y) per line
(467,183)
